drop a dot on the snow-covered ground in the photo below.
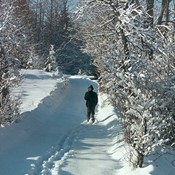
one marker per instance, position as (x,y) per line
(52,137)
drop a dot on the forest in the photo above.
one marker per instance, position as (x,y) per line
(36,34)
(131,44)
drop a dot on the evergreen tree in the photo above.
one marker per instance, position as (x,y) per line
(51,64)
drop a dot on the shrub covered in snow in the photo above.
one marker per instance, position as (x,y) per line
(135,61)
(9,77)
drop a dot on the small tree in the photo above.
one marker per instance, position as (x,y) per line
(34,61)
(51,64)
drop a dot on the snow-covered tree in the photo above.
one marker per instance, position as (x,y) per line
(134,57)
(51,64)
(16,32)
(14,38)
(53,25)
(34,61)
(8,78)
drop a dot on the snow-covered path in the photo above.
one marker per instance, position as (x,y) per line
(52,139)
(89,154)
(79,146)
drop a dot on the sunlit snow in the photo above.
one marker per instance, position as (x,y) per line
(53,138)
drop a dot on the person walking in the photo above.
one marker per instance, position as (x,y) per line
(91,101)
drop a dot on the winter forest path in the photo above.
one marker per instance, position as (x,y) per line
(83,149)
(53,139)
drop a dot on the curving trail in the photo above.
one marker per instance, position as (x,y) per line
(81,146)
(53,138)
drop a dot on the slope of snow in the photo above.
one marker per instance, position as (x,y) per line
(52,138)
(35,86)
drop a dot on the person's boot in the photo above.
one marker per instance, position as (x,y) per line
(88,118)
(93,119)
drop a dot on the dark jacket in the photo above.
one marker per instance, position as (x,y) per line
(91,98)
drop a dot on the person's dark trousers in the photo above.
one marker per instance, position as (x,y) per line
(90,113)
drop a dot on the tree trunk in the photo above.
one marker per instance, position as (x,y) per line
(140,159)
(125,45)
(150,11)
(167,13)
(164,9)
